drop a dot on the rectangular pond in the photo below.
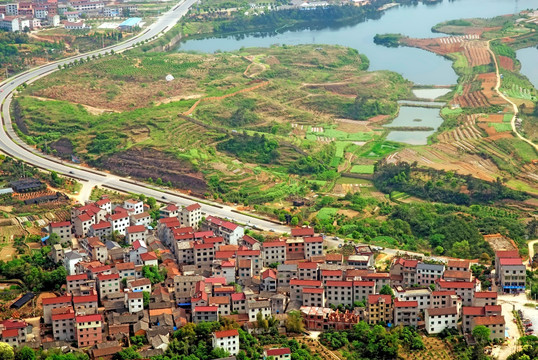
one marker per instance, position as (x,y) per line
(415,118)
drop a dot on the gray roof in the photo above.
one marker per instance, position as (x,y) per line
(287,267)
(433,267)
(73,255)
(112,245)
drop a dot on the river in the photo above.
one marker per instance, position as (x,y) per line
(529,59)
(417,65)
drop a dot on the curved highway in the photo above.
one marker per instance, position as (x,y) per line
(12,145)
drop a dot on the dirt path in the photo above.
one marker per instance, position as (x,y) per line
(252,88)
(514,106)
(91,109)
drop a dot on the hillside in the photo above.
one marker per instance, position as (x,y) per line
(243,126)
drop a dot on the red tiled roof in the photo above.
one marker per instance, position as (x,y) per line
(307,265)
(510,261)
(118,216)
(224,254)
(102,202)
(333,257)
(77,277)
(215,280)
(57,300)
(278,352)
(313,239)
(193,207)
(125,266)
(213,240)
(138,243)
(485,294)
(135,295)
(374,299)
(224,289)
(302,232)
(226,333)
(489,320)
(219,222)
(149,256)
(202,234)
(250,240)
(69,315)
(458,263)
(248,253)
(135,229)
(274,244)
(456,284)
(339,283)
(10,333)
(84,299)
(101,225)
(60,224)
(88,318)
(493,308)
(269,273)
(332,272)
(84,217)
(473,310)
(399,304)
(364,283)
(377,276)
(206,308)
(507,254)
(313,283)
(442,311)
(203,246)
(238,297)
(104,277)
(444,293)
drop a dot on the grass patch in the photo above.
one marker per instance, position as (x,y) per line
(362,169)
(508,117)
(385,241)
(449,111)
(500,127)
(326,213)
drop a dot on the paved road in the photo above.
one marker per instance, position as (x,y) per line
(12,145)
(514,106)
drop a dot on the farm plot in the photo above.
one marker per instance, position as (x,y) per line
(326,213)
(476,53)
(473,99)
(506,63)
(362,169)
(463,136)
(519,92)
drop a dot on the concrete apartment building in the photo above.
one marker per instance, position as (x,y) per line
(136,232)
(338,292)
(134,301)
(379,308)
(428,273)
(89,330)
(63,324)
(458,265)
(191,215)
(205,314)
(483,298)
(227,340)
(313,246)
(108,284)
(102,230)
(297,286)
(363,289)
(274,252)
(331,275)
(256,307)
(133,206)
(63,229)
(184,287)
(421,296)
(308,271)
(254,256)
(230,232)
(436,320)
(496,325)
(82,224)
(119,221)
(405,313)
(465,290)
(314,297)
(512,275)
(286,272)
(404,272)
(277,353)
(54,303)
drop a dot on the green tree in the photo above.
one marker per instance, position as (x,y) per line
(127,354)
(481,334)
(386,290)
(146,299)
(25,353)
(6,351)
(294,322)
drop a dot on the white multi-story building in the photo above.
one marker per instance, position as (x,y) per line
(339,292)
(230,232)
(405,313)
(108,284)
(136,232)
(134,301)
(227,340)
(313,246)
(436,320)
(428,273)
(119,221)
(134,206)
(191,215)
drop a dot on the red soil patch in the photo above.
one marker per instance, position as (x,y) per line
(502,135)
(476,54)
(495,118)
(506,62)
(472,99)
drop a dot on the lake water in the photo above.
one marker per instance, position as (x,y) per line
(529,64)
(430,94)
(408,116)
(417,65)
